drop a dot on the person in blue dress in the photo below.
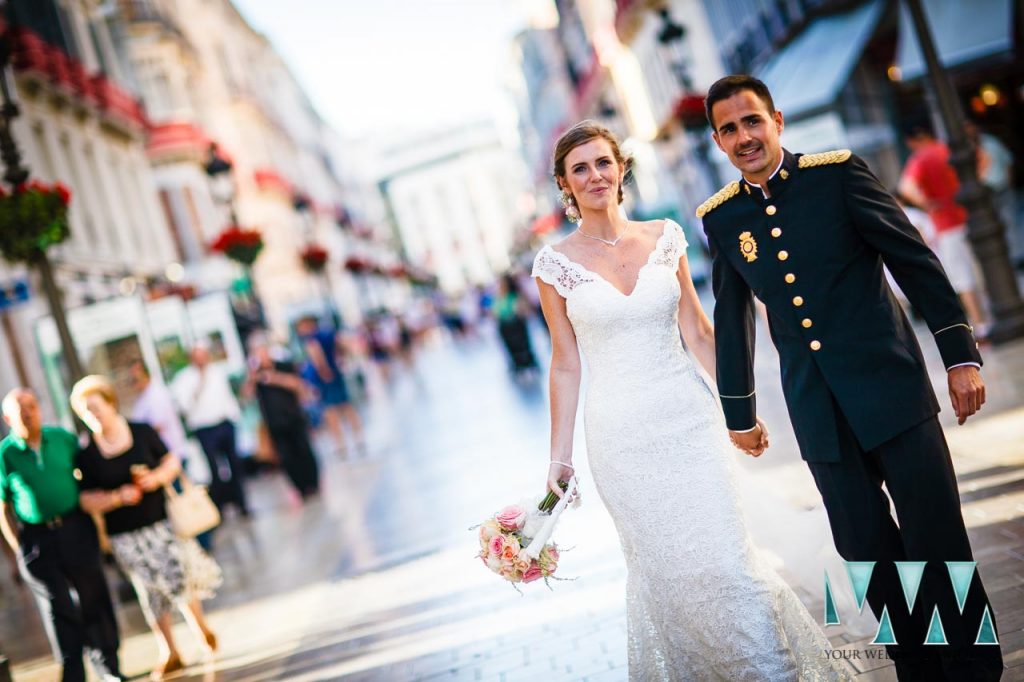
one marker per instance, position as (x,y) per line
(321,348)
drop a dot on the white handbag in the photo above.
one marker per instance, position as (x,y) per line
(191,512)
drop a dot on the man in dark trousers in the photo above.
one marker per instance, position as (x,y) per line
(56,544)
(808,235)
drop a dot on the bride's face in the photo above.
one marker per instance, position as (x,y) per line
(593,175)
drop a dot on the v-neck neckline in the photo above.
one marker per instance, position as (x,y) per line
(639,273)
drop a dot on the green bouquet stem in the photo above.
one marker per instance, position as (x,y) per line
(551,499)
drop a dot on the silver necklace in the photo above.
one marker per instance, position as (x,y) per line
(609,242)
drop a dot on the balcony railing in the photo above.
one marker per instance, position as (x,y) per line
(50,65)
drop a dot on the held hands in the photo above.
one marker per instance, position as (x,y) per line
(966,391)
(755,442)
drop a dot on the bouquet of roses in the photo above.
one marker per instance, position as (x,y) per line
(514,542)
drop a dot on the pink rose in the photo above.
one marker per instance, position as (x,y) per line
(497,544)
(552,552)
(533,573)
(511,517)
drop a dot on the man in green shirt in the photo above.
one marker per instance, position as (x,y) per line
(55,542)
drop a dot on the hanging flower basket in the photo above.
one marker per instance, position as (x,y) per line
(314,257)
(357,265)
(689,110)
(238,244)
(397,271)
(33,218)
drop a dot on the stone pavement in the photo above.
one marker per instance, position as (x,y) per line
(377,580)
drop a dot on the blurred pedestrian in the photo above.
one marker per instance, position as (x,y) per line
(278,389)
(930,182)
(124,469)
(510,311)
(55,541)
(203,394)
(321,348)
(155,406)
(383,336)
(995,170)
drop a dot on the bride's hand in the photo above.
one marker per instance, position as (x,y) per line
(558,471)
(764,434)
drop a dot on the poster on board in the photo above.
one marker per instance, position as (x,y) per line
(110,336)
(170,328)
(211,320)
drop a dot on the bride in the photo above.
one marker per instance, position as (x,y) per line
(702,604)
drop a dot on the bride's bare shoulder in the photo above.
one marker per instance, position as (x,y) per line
(567,245)
(652,228)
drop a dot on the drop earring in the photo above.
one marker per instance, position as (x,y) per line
(569,204)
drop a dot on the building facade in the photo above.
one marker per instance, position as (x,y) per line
(80,125)
(457,198)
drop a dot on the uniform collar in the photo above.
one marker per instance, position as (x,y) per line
(778,181)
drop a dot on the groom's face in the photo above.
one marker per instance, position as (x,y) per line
(748,133)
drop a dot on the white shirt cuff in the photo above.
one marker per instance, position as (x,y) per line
(744,430)
(964,364)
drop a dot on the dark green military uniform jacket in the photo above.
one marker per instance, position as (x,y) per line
(813,253)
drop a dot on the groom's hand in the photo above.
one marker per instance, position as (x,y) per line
(750,442)
(966,391)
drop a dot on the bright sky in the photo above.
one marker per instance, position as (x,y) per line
(384,65)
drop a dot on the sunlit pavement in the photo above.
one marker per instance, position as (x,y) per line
(377,580)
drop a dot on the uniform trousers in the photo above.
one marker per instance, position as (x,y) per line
(917,472)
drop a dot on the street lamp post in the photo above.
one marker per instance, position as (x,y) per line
(15,173)
(984,228)
(249,316)
(671,36)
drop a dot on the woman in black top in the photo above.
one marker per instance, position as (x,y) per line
(277,388)
(124,469)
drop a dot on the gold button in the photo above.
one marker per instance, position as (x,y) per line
(770,210)
(783,255)
(798,301)
(790,278)
(776,231)
(784,174)
(815,345)
(807,323)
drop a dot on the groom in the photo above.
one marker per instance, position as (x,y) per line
(808,235)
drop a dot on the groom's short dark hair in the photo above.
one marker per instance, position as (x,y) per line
(724,88)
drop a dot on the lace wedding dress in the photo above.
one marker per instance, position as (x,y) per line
(701,603)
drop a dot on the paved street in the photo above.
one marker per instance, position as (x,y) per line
(377,580)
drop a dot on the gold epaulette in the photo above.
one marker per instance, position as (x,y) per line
(824,158)
(718,198)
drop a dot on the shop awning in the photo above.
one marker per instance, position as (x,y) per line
(808,74)
(963,31)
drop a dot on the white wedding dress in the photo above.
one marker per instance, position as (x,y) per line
(701,603)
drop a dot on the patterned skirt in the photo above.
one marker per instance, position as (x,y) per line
(165,570)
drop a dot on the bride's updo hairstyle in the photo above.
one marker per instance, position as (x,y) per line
(582,133)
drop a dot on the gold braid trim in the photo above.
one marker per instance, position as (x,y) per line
(824,158)
(718,198)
